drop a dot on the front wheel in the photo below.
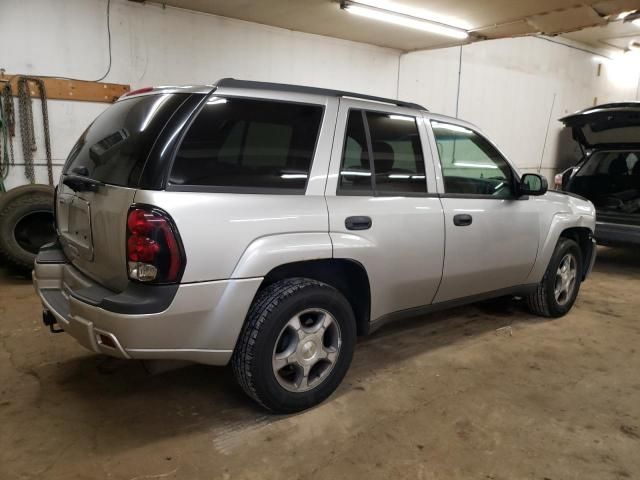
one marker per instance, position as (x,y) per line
(559,288)
(296,345)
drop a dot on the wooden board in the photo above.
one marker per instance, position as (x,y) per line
(79,90)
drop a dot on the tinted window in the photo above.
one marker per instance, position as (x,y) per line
(611,180)
(611,163)
(115,146)
(398,163)
(470,164)
(252,144)
(355,174)
(397,154)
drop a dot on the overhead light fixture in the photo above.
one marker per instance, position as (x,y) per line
(398,17)
(401,117)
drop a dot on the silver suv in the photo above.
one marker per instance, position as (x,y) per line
(268,225)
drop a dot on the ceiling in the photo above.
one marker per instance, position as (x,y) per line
(614,36)
(482,18)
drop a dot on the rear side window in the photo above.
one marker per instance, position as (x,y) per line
(251,145)
(116,145)
(398,162)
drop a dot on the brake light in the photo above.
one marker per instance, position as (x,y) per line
(154,251)
(137,92)
(557,180)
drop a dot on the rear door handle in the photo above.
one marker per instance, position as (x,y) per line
(462,220)
(358,223)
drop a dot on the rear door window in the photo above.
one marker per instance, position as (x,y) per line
(393,141)
(238,144)
(115,147)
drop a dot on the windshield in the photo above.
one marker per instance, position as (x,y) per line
(115,147)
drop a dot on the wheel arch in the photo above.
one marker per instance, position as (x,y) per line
(567,225)
(582,236)
(347,276)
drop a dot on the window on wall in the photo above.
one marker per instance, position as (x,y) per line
(249,144)
(470,164)
(398,162)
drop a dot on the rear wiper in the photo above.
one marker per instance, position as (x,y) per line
(82,184)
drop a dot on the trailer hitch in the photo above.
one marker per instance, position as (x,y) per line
(50,321)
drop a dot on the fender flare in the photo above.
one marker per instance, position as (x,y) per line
(268,252)
(559,223)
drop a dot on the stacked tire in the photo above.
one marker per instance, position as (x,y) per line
(26,224)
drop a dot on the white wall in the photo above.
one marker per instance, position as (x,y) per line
(159,46)
(507,86)
(511,88)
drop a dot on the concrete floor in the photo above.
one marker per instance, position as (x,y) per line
(454,395)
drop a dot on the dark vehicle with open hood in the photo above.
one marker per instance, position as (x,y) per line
(609,172)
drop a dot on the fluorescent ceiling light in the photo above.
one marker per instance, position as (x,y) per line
(450,127)
(404,20)
(473,165)
(216,101)
(288,176)
(396,7)
(401,117)
(636,22)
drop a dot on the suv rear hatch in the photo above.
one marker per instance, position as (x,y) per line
(610,176)
(610,125)
(99,183)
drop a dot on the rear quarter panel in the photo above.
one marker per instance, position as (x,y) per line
(218,228)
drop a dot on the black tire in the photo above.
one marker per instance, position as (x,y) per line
(270,312)
(24,190)
(543,301)
(26,223)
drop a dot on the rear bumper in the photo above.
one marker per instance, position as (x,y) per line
(617,234)
(200,322)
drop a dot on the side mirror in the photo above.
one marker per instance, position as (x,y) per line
(532,184)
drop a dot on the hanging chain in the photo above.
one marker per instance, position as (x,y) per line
(8,114)
(27,130)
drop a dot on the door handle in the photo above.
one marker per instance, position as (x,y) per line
(358,223)
(462,220)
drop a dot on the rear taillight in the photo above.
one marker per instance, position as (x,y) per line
(154,251)
(557,180)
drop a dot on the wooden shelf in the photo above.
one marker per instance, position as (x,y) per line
(77,90)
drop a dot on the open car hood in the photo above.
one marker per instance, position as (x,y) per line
(608,125)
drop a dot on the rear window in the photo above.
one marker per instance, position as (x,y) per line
(611,163)
(116,145)
(249,145)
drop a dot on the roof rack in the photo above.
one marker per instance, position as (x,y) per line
(284,87)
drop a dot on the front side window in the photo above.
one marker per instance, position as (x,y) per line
(249,144)
(470,164)
(393,141)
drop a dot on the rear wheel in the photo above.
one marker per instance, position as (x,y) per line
(296,345)
(559,288)
(26,224)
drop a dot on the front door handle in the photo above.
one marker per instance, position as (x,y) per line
(358,223)
(462,220)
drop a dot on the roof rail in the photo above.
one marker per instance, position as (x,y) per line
(284,87)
